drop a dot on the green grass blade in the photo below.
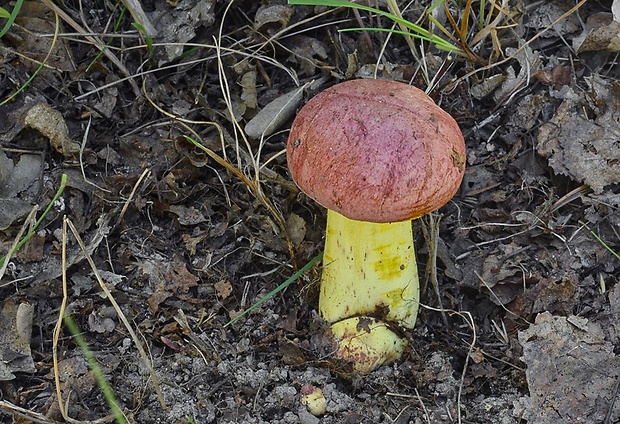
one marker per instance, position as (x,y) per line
(147,38)
(420,32)
(605,245)
(114,31)
(343,3)
(277,289)
(445,46)
(14,13)
(107,391)
(63,184)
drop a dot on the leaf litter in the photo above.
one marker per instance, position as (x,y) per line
(572,371)
(190,246)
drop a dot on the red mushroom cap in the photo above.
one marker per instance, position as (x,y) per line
(376,151)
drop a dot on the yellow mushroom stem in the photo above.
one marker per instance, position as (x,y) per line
(369,287)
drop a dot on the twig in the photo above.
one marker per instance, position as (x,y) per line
(119,312)
(614,397)
(430,229)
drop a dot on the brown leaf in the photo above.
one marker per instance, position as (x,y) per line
(568,369)
(168,278)
(33,250)
(584,148)
(248,85)
(223,289)
(273,18)
(35,19)
(15,333)
(296,227)
(306,51)
(602,32)
(51,124)
(291,353)
(187,215)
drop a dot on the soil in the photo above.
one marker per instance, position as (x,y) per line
(520,285)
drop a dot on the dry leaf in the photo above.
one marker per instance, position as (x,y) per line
(15,333)
(223,289)
(571,372)
(529,63)
(167,278)
(99,323)
(602,32)
(270,15)
(180,23)
(187,215)
(305,51)
(582,148)
(296,227)
(35,19)
(550,11)
(51,124)
(16,179)
(248,86)
(487,86)
(276,113)
(33,250)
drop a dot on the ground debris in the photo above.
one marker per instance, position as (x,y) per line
(571,371)
(15,337)
(585,147)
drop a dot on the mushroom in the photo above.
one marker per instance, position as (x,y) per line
(376,154)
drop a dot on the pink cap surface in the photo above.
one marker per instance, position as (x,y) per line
(376,151)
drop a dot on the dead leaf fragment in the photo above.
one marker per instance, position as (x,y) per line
(51,124)
(272,16)
(278,111)
(602,32)
(529,63)
(15,334)
(6,167)
(582,148)
(34,20)
(549,12)
(14,180)
(33,250)
(305,51)
(167,278)
(571,372)
(180,23)
(272,116)
(187,215)
(248,85)
(223,289)
(296,227)
(487,86)
(99,323)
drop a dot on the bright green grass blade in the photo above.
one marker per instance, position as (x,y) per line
(421,32)
(12,16)
(277,289)
(445,46)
